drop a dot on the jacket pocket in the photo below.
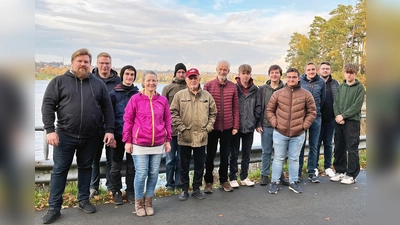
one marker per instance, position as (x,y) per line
(185,136)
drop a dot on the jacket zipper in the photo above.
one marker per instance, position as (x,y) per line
(152,121)
(290,114)
(80,124)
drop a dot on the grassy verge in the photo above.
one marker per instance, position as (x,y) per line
(104,197)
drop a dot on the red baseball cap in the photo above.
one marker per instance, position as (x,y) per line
(192,71)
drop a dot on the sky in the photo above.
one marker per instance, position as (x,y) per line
(157,35)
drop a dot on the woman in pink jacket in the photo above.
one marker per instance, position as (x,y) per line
(146,134)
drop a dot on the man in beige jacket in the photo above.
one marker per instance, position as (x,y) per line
(193,112)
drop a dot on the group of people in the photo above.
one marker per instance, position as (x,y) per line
(187,121)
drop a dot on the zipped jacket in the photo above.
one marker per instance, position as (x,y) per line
(316,87)
(119,99)
(80,106)
(193,116)
(169,92)
(112,81)
(291,110)
(265,93)
(147,122)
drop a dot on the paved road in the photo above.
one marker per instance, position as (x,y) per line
(324,203)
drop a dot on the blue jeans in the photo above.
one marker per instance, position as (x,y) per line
(172,164)
(313,154)
(326,136)
(63,155)
(282,144)
(266,146)
(147,167)
(95,181)
(247,142)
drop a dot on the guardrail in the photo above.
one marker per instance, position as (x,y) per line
(44,168)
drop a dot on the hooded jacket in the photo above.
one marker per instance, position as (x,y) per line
(80,106)
(316,87)
(112,81)
(120,96)
(291,110)
(169,92)
(349,100)
(249,106)
(193,116)
(266,92)
(147,122)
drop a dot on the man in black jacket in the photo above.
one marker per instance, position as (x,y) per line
(81,101)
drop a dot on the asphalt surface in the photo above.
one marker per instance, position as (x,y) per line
(323,203)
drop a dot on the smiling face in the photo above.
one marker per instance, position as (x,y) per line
(193,82)
(292,79)
(274,75)
(128,77)
(310,71)
(150,82)
(80,66)
(222,71)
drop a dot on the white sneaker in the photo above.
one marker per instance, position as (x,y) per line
(234,184)
(348,180)
(316,172)
(338,177)
(247,182)
(329,172)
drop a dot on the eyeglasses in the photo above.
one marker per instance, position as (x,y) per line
(292,77)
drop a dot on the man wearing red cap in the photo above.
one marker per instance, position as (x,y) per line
(193,112)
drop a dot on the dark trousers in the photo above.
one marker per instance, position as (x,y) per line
(247,142)
(95,181)
(172,164)
(199,156)
(347,139)
(326,136)
(116,167)
(63,154)
(224,138)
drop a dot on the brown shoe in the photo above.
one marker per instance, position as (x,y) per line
(208,189)
(148,206)
(139,206)
(226,186)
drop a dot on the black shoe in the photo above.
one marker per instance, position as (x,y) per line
(284,181)
(131,197)
(184,196)
(86,206)
(295,187)
(51,216)
(264,180)
(169,188)
(199,195)
(118,198)
(274,188)
(313,178)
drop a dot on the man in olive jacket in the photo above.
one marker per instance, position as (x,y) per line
(193,112)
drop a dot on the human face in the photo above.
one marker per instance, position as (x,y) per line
(244,77)
(274,76)
(325,70)
(104,66)
(193,82)
(180,74)
(150,83)
(80,67)
(311,71)
(292,79)
(222,71)
(350,77)
(128,77)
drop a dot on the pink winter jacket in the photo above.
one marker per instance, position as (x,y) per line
(147,122)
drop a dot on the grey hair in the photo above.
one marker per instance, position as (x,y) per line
(147,72)
(224,62)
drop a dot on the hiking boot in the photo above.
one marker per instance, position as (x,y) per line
(234,183)
(348,180)
(118,198)
(184,196)
(313,178)
(338,177)
(295,187)
(199,195)
(139,207)
(148,205)
(208,189)
(247,182)
(86,206)
(130,197)
(329,172)
(226,186)
(283,180)
(93,192)
(264,180)
(51,216)
(274,188)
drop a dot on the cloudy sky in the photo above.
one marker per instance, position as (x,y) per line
(158,34)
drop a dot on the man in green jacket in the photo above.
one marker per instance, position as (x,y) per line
(347,105)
